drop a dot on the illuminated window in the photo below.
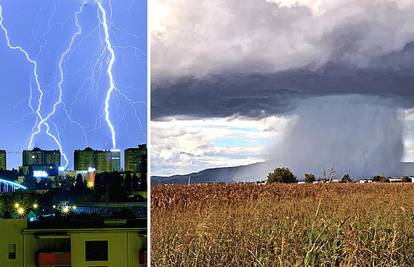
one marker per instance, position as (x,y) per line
(12,251)
(96,250)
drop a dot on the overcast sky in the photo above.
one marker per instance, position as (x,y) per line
(229,75)
(44,29)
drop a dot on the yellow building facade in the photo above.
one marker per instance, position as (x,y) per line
(22,246)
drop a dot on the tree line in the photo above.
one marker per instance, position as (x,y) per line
(284,175)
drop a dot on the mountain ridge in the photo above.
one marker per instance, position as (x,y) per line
(244,173)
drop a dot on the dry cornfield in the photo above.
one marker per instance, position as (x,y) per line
(282,225)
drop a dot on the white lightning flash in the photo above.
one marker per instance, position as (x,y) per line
(44,120)
(40,120)
(28,58)
(103,21)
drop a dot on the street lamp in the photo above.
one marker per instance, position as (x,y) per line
(65,210)
(21,211)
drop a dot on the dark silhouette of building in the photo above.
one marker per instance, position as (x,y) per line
(3,160)
(100,160)
(40,161)
(135,159)
(103,161)
(38,156)
(84,159)
(115,160)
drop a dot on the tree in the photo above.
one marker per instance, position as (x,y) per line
(380,179)
(128,183)
(79,181)
(281,175)
(143,182)
(329,174)
(30,182)
(346,179)
(406,179)
(116,192)
(309,178)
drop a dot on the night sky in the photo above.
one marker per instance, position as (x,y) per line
(44,29)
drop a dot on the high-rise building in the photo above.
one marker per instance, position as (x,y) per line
(32,157)
(84,159)
(42,163)
(38,157)
(52,157)
(103,161)
(135,159)
(3,161)
(100,160)
(115,159)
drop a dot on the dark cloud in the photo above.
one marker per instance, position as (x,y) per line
(221,58)
(258,95)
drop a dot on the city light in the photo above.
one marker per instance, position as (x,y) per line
(15,185)
(40,174)
(35,205)
(21,211)
(74,207)
(65,209)
(90,184)
(16,205)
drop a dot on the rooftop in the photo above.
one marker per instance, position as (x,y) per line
(90,223)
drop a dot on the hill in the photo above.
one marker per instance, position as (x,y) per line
(245,173)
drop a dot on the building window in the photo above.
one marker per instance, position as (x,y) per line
(96,250)
(12,251)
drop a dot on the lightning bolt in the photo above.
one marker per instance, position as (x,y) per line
(40,120)
(111,60)
(103,66)
(30,60)
(44,120)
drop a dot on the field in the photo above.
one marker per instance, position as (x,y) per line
(282,225)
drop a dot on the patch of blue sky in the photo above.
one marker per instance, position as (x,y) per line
(237,141)
(243,129)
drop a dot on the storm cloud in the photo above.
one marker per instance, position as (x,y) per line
(341,72)
(361,136)
(221,58)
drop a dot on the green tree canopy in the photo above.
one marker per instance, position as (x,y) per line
(381,179)
(281,175)
(346,178)
(309,178)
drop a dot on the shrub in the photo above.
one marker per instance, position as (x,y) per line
(406,179)
(380,179)
(309,178)
(346,179)
(281,175)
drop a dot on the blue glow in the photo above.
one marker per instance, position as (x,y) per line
(13,184)
(68,89)
(40,174)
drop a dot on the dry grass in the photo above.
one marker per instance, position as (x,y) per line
(283,225)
